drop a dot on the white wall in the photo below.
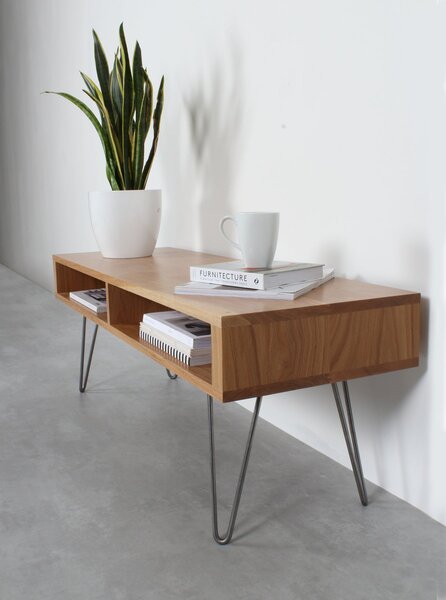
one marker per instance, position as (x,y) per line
(331,112)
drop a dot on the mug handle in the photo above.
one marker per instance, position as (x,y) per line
(222,222)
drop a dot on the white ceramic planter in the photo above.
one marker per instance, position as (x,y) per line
(125,223)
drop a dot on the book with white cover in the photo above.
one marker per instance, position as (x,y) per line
(189,330)
(191,360)
(235,274)
(95,300)
(164,338)
(282,292)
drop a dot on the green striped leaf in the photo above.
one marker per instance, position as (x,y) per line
(149,107)
(140,136)
(102,97)
(102,72)
(138,79)
(119,64)
(91,86)
(127,109)
(111,178)
(156,128)
(116,93)
(95,92)
(111,136)
(143,127)
(137,133)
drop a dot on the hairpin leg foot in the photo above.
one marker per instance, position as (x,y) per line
(171,375)
(83,380)
(226,538)
(348,427)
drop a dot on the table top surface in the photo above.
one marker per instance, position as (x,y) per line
(155,277)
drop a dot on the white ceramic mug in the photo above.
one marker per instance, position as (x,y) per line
(257,234)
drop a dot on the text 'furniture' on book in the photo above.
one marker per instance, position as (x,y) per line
(281,292)
(235,274)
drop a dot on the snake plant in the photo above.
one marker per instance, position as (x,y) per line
(124,98)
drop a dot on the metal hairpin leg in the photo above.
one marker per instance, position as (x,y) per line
(226,538)
(350,439)
(82,381)
(171,375)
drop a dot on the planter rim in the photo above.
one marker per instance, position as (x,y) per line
(122,191)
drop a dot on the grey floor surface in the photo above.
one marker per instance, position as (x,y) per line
(105,496)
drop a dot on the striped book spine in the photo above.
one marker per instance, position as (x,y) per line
(181,356)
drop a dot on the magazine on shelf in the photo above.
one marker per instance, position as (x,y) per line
(188,356)
(95,300)
(164,338)
(235,274)
(282,292)
(186,329)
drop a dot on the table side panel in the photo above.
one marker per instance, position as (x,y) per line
(297,384)
(217,359)
(266,357)
(370,338)
(273,351)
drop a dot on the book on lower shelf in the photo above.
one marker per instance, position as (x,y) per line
(289,291)
(95,300)
(190,356)
(185,338)
(233,273)
(189,330)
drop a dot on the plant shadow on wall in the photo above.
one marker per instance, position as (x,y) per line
(214,114)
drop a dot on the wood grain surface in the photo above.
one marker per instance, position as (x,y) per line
(342,330)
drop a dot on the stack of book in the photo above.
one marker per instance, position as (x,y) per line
(283,281)
(185,338)
(95,300)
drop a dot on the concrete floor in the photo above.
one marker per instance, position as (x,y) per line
(105,496)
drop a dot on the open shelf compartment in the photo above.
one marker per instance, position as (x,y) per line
(126,310)
(71,280)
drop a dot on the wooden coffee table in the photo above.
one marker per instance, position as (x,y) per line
(343,330)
